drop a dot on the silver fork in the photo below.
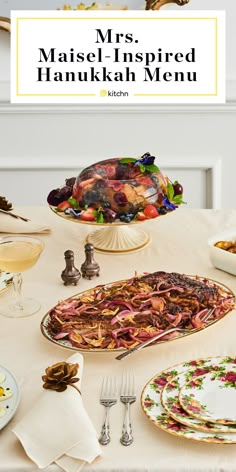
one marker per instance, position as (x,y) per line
(127,396)
(108,398)
(160,335)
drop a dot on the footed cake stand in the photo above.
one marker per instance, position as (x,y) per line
(119,238)
(113,238)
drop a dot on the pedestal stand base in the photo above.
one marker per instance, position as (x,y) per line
(119,239)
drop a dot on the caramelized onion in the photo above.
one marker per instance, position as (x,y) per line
(126,313)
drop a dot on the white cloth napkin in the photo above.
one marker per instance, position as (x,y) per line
(8,224)
(58,428)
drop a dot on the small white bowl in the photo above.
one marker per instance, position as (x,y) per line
(220,258)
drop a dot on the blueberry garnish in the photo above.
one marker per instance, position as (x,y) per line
(162,210)
(126,217)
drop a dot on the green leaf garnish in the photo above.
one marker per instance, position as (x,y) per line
(170,191)
(152,168)
(142,168)
(99,215)
(178,200)
(126,160)
(100,218)
(73,203)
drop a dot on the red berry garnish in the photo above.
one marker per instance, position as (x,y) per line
(63,205)
(70,182)
(145,181)
(140,216)
(178,189)
(116,185)
(109,215)
(150,211)
(88,215)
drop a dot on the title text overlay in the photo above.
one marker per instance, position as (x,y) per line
(108,57)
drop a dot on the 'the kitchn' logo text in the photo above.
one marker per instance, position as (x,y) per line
(113,93)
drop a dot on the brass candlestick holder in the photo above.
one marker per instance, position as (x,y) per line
(5,24)
(157,4)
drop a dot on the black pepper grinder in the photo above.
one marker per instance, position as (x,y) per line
(70,275)
(90,267)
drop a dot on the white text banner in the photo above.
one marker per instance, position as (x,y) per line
(121,57)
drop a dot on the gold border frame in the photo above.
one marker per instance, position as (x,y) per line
(215,94)
(5,24)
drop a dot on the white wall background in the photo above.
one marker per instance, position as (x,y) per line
(40,146)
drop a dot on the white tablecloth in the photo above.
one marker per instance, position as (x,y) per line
(179,243)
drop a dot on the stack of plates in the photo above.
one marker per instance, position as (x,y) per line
(195,400)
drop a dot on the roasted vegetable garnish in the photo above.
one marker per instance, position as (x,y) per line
(229,246)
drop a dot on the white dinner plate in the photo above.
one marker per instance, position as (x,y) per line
(170,400)
(211,397)
(9,396)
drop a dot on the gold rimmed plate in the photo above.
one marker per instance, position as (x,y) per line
(170,398)
(154,411)
(64,341)
(211,396)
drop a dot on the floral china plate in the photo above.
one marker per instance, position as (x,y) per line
(153,409)
(5,280)
(9,396)
(211,397)
(170,400)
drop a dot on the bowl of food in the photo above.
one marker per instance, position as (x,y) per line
(222,250)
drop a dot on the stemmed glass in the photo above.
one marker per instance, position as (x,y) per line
(18,254)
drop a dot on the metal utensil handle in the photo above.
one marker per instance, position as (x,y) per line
(127,437)
(105,431)
(145,343)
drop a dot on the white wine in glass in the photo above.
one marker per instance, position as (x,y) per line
(18,254)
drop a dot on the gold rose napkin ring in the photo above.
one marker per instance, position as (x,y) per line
(60,375)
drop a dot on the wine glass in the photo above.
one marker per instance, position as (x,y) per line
(17,254)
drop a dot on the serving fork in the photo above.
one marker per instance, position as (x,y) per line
(108,398)
(127,396)
(160,335)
